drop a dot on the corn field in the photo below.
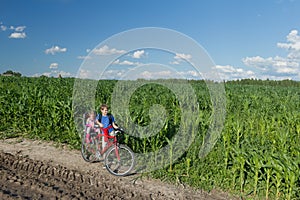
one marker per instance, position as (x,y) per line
(256,157)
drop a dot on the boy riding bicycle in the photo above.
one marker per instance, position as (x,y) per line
(107,124)
(118,158)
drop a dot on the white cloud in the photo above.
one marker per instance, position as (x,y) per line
(287,70)
(133,74)
(17,32)
(228,72)
(175,62)
(84,57)
(276,66)
(279,67)
(138,54)
(105,50)
(3,28)
(292,45)
(18,28)
(191,74)
(157,74)
(83,73)
(168,74)
(53,66)
(64,74)
(16,35)
(182,56)
(55,49)
(258,62)
(126,62)
(109,74)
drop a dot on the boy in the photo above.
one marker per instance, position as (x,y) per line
(107,124)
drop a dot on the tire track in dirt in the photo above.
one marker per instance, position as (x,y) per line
(25,178)
(32,169)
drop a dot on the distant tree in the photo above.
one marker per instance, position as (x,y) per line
(18,74)
(8,72)
(12,73)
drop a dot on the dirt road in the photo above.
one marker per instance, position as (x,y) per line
(31,169)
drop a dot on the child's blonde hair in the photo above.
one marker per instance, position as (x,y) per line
(91,112)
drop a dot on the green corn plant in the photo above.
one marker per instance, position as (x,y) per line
(170,154)
(256,167)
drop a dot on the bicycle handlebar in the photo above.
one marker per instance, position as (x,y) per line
(119,130)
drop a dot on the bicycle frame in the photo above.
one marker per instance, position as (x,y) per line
(110,143)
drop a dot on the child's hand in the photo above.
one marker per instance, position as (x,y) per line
(120,129)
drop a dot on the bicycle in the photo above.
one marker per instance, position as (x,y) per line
(118,158)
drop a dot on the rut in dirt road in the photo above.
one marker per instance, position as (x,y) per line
(21,177)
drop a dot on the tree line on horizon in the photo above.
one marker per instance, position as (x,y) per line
(245,81)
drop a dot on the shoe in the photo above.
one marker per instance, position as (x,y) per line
(104,167)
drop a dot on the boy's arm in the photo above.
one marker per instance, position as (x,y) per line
(97,121)
(114,125)
(100,124)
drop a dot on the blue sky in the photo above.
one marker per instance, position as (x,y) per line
(245,39)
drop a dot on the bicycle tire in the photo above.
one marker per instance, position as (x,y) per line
(89,152)
(120,167)
(85,153)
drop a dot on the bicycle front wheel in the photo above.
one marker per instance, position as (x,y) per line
(119,160)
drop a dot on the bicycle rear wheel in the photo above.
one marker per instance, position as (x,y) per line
(89,151)
(86,151)
(122,166)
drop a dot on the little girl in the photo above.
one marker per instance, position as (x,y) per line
(90,126)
